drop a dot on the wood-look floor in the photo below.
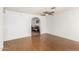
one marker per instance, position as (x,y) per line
(44,42)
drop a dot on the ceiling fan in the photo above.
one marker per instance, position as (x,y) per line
(50,12)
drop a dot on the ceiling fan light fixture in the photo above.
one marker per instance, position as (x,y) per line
(49,12)
(46,14)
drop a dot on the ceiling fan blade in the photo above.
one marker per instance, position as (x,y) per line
(42,14)
(52,12)
(53,7)
(45,12)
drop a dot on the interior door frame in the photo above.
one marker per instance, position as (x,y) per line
(39,26)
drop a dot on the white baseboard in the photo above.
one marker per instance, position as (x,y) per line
(1,49)
(64,36)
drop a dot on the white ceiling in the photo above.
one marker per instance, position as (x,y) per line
(35,10)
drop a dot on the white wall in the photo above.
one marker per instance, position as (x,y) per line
(64,24)
(43,24)
(19,24)
(1,28)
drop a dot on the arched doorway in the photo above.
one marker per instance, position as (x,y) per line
(35,26)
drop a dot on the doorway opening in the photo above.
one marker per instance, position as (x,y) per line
(35,26)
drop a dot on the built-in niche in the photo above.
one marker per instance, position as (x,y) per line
(35,26)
